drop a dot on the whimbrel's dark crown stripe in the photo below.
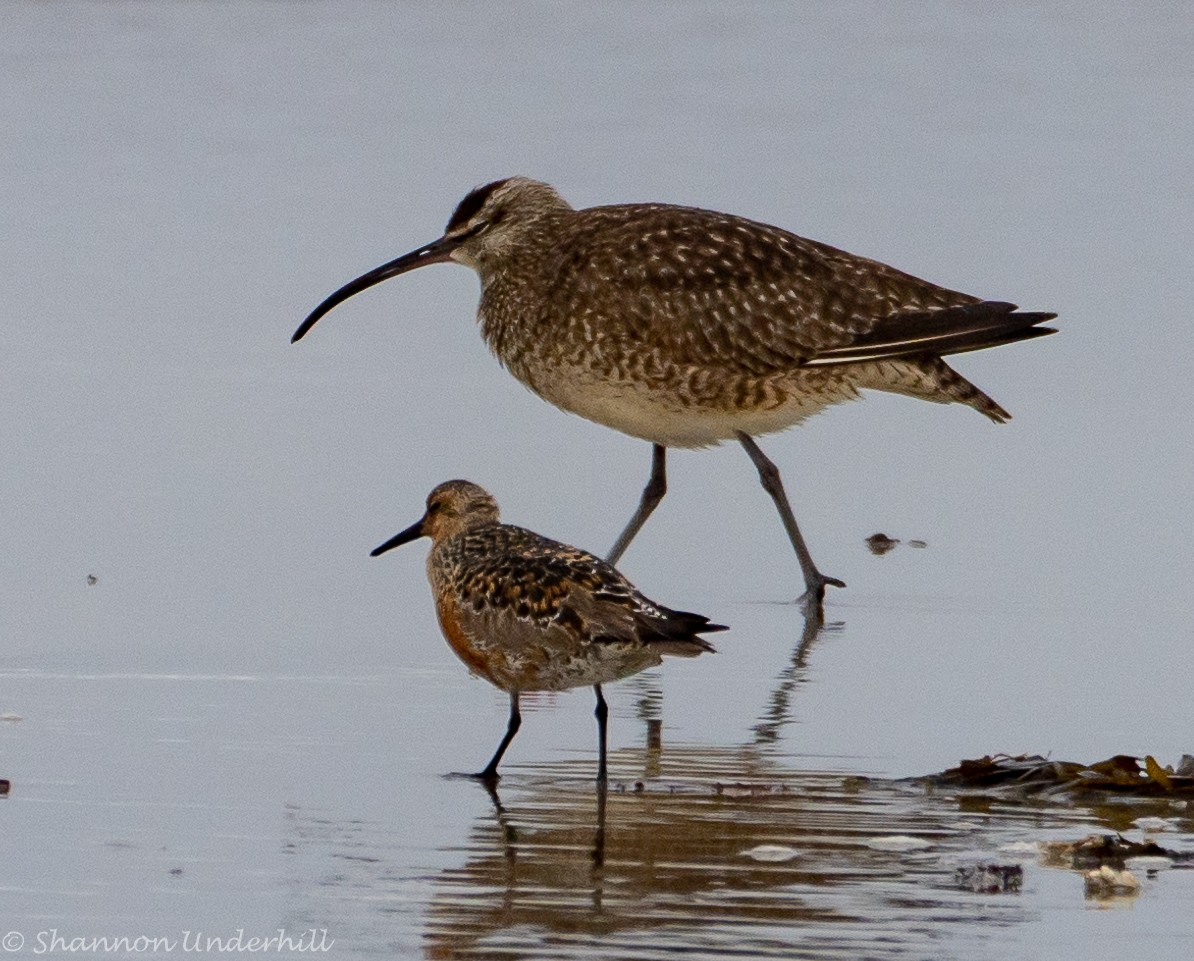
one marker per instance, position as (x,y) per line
(472,203)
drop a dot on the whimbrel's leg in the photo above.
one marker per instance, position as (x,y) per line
(490,773)
(769,477)
(601,714)
(652,495)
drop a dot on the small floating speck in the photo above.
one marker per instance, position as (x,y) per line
(918,543)
(92,580)
(772,853)
(11,718)
(5,787)
(897,842)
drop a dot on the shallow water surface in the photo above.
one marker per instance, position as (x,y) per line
(218,714)
(317,803)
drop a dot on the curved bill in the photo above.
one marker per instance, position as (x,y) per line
(433,253)
(412,533)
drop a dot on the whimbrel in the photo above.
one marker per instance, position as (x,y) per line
(531,614)
(687,327)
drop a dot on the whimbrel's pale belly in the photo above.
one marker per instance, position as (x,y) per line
(700,417)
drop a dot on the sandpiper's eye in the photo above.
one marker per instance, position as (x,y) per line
(434,507)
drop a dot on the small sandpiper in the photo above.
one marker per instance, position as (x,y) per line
(531,614)
(687,327)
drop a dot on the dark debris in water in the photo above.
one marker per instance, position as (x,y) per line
(879,543)
(990,878)
(1107,850)
(5,787)
(1033,774)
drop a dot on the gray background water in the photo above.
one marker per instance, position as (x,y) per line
(182,182)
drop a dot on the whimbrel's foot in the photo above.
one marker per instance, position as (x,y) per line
(815,592)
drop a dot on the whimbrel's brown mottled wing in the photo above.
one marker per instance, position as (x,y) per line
(712,289)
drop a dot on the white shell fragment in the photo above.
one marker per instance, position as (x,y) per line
(1106,882)
(897,842)
(773,853)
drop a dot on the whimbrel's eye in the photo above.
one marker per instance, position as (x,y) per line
(481,226)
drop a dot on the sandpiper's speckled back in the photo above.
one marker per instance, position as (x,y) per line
(685,326)
(531,614)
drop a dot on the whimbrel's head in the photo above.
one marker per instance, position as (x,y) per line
(487,221)
(453,506)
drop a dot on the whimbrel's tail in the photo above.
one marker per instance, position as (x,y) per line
(902,353)
(927,378)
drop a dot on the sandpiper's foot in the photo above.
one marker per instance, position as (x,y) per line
(487,780)
(484,777)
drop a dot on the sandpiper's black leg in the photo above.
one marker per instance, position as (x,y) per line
(652,495)
(814,580)
(490,773)
(599,836)
(602,713)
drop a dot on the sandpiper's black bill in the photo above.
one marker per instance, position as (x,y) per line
(433,253)
(412,533)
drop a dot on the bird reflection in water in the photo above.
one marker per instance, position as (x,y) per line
(669,829)
(726,853)
(778,712)
(776,715)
